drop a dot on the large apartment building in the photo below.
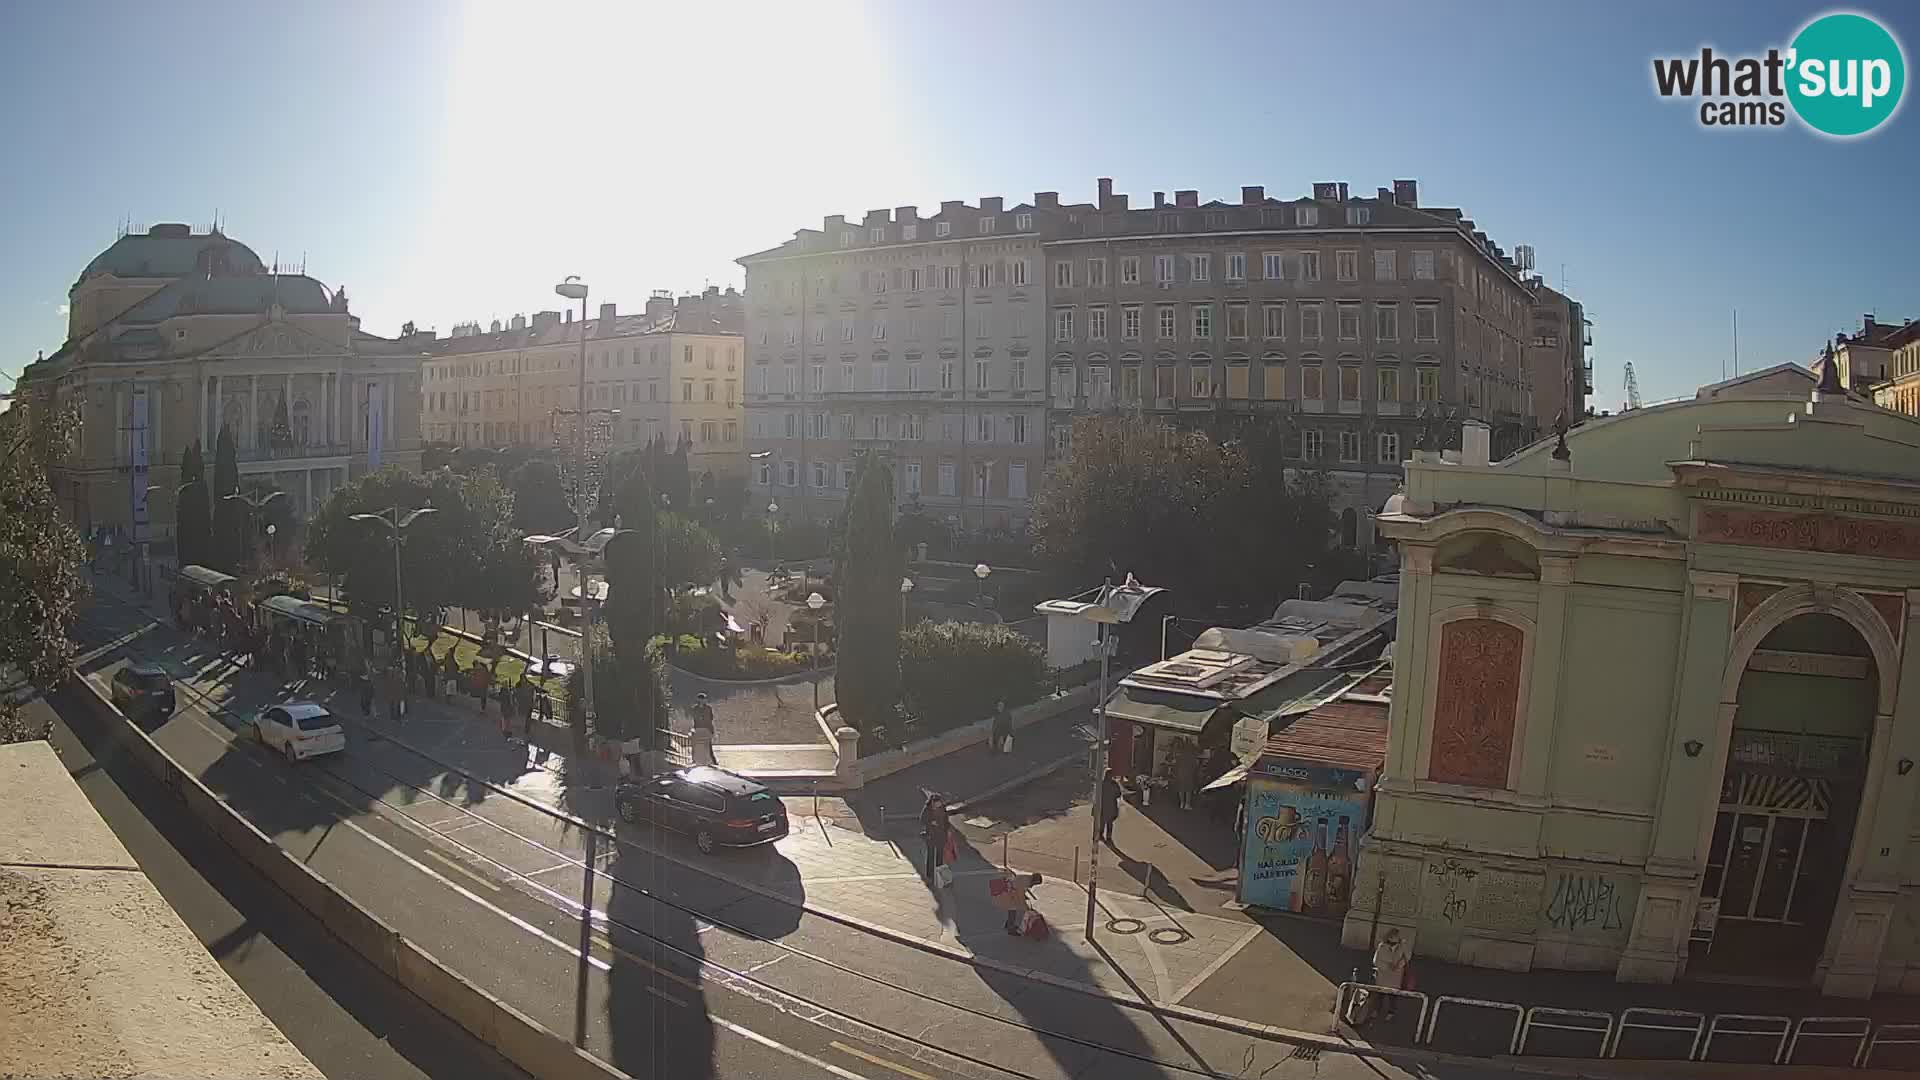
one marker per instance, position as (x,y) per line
(671,372)
(1557,361)
(1362,323)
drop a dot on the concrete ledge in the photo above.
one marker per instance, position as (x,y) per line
(888,762)
(519,1038)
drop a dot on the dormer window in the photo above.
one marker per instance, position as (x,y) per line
(877,235)
(943,228)
(986,225)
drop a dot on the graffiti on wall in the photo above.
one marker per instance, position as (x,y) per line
(1449,890)
(1582,901)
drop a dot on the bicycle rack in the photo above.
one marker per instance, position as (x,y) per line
(1519,1015)
(1533,1020)
(1749,1024)
(1697,1028)
(1800,1031)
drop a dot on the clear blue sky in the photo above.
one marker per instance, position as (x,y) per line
(447,162)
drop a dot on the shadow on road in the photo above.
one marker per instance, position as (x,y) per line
(657,1020)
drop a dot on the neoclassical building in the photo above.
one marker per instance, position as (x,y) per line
(174,334)
(1653,710)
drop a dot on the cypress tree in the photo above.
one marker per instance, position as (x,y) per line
(229,517)
(867,605)
(192,515)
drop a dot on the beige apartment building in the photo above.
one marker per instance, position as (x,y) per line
(1557,361)
(918,339)
(173,335)
(672,372)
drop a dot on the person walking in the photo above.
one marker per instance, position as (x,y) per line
(508,701)
(1186,776)
(523,706)
(935,829)
(480,677)
(366,695)
(1002,730)
(1109,805)
(702,712)
(1390,959)
(1010,894)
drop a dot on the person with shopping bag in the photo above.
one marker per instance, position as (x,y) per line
(1008,892)
(1002,730)
(937,829)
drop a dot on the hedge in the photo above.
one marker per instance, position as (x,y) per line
(952,673)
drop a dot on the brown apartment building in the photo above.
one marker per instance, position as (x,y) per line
(1360,323)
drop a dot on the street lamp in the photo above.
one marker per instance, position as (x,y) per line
(396,527)
(814,603)
(906,586)
(981,571)
(772,509)
(255,502)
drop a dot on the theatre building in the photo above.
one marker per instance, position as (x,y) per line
(1656,700)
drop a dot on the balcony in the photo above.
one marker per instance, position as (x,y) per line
(881,395)
(294,453)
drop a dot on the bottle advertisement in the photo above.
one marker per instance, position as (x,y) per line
(1303,827)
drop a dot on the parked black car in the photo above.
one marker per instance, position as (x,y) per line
(717,808)
(142,690)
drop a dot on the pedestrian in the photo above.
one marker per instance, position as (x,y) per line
(935,829)
(478,678)
(1109,805)
(1010,894)
(507,701)
(702,712)
(1002,729)
(1186,776)
(366,696)
(1390,959)
(524,706)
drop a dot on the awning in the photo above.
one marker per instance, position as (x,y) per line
(1231,776)
(1188,713)
(300,610)
(205,578)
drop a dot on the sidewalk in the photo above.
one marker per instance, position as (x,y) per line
(970,775)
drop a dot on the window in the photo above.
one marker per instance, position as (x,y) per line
(879,328)
(1275,318)
(986,225)
(1236,266)
(1022,222)
(732,434)
(1163,270)
(1236,322)
(1310,444)
(1017,273)
(1130,270)
(877,375)
(708,389)
(980,481)
(1017,480)
(1130,384)
(910,426)
(1426,322)
(764,474)
(1306,215)
(1349,315)
(1349,446)
(946,478)
(1096,324)
(1130,323)
(1063,324)
(913,376)
(983,428)
(1387,383)
(1388,446)
(846,376)
(1201,382)
(816,381)
(1311,377)
(1096,273)
(981,276)
(1427,383)
(1349,382)
(943,228)
(1386,322)
(1346,265)
(1017,375)
(816,425)
(1273,266)
(877,235)
(790,473)
(1359,215)
(819,474)
(846,332)
(846,239)
(709,431)
(910,232)
(1383,266)
(793,334)
(845,479)
(1423,266)
(1200,267)
(1063,388)
(949,277)
(912,475)
(914,278)
(950,323)
(846,425)
(948,377)
(1017,428)
(1309,322)
(1063,274)
(653,387)
(983,374)
(1167,323)
(686,386)
(1309,266)
(1202,321)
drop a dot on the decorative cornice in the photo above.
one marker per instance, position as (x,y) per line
(1788,501)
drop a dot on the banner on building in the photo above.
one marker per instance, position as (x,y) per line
(137,458)
(376,425)
(1303,828)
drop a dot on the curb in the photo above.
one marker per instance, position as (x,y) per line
(807,675)
(1028,777)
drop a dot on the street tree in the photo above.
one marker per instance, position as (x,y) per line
(41,553)
(689,554)
(193,529)
(227,542)
(539,503)
(867,604)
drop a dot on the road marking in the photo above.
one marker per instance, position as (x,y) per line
(600,938)
(449,862)
(551,869)
(669,998)
(876,1059)
(1218,963)
(798,1055)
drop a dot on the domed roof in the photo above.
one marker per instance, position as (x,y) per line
(175,251)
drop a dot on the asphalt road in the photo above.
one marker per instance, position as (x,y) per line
(349,1019)
(748,988)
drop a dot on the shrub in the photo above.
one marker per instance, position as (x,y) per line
(952,673)
(745,663)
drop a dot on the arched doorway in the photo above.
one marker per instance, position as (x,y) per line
(1789,797)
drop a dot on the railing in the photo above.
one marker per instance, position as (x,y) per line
(291,453)
(1790,752)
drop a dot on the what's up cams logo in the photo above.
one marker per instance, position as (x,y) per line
(1843,75)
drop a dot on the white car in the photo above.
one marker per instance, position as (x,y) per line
(300,730)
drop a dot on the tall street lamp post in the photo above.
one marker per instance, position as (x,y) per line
(981,571)
(572,288)
(773,508)
(396,527)
(814,603)
(906,586)
(254,503)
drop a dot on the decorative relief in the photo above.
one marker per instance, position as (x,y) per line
(1752,595)
(1490,555)
(1891,608)
(1828,533)
(1478,698)
(1831,665)
(1816,502)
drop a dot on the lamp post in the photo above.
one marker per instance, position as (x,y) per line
(1116,604)
(814,603)
(906,586)
(572,288)
(981,571)
(772,509)
(254,502)
(396,527)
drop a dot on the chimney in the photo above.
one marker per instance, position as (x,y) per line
(1118,202)
(1106,191)
(605,329)
(1343,191)
(906,215)
(1046,200)
(659,305)
(1383,195)
(990,205)
(1406,193)
(1474,443)
(1159,200)
(711,292)
(950,206)
(876,217)
(1252,194)
(545,320)
(835,224)
(519,322)
(567,317)
(1186,198)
